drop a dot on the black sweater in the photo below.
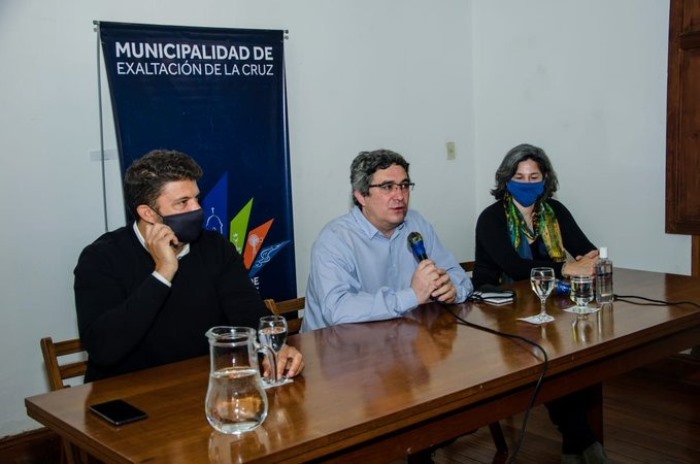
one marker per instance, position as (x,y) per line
(495,253)
(129,320)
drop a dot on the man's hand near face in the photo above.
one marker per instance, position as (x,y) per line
(163,246)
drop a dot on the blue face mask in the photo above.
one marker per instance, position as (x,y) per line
(525,193)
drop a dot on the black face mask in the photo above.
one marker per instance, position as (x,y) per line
(186,226)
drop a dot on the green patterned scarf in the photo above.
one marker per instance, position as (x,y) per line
(545,224)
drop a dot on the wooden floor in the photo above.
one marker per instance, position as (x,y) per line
(651,415)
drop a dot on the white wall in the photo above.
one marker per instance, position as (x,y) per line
(585,80)
(360,75)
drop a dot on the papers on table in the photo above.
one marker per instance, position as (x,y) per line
(537,320)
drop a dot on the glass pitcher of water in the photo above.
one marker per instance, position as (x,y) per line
(236,401)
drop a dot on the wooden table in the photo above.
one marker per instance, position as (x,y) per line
(373,392)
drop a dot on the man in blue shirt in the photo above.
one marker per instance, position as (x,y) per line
(362,265)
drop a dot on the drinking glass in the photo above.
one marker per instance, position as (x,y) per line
(272,332)
(542,282)
(582,293)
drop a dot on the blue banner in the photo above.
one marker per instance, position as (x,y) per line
(219,96)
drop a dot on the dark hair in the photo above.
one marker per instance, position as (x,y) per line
(509,166)
(366,163)
(145,178)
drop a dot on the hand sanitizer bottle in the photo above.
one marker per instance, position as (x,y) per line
(604,277)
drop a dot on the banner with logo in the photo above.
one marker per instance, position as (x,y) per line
(219,96)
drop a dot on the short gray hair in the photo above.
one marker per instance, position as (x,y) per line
(366,163)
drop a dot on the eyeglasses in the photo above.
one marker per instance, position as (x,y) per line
(390,187)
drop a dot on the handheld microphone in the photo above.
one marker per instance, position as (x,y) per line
(415,240)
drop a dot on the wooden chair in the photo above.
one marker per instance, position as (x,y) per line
(53,352)
(290,310)
(58,372)
(468,266)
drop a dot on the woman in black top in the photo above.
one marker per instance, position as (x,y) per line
(526,227)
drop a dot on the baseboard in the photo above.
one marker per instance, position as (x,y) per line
(40,446)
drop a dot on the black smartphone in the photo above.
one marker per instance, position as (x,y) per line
(118,412)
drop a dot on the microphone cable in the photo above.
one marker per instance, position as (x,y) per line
(650,302)
(545,364)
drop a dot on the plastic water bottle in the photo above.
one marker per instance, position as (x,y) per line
(604,277)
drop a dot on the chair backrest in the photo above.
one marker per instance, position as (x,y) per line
(290,310)
(58,371)
(468,266)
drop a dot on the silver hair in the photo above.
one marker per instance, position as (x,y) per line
(366,163)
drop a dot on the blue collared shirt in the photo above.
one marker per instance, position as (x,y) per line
(357,274)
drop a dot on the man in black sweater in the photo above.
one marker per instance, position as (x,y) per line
(146,293)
